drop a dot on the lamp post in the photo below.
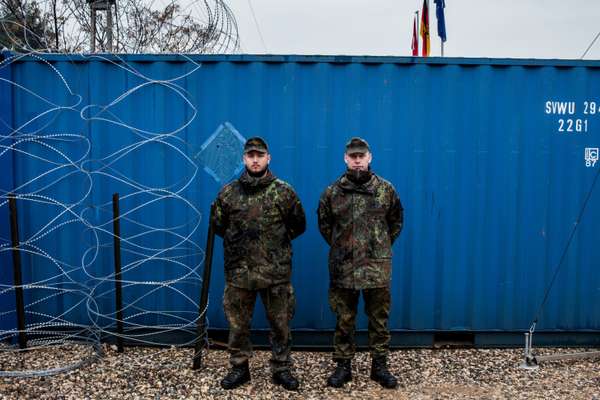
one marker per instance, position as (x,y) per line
(107,6)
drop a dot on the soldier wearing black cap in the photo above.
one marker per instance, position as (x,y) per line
(258,215)
(360,216)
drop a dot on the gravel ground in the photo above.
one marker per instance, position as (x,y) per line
(147,373)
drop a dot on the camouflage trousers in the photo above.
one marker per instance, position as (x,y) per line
(280,303)
(344,303)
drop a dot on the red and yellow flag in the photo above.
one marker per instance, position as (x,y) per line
(415,39)
(425,29)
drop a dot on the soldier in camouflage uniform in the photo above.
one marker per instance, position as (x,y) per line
(360,216)
(258,215)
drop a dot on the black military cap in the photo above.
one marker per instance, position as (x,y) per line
(357,145)
(256,143)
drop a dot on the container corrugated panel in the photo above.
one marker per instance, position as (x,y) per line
(7,300)
(488,156)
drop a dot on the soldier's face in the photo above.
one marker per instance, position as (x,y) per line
(358,161)
(256,162)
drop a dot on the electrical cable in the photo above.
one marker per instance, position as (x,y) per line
(590,46)
(257,26)
(564,253)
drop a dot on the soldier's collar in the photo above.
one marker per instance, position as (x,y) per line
(347,185)
(251,182)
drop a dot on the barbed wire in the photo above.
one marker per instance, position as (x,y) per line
(141,26)
(61,190)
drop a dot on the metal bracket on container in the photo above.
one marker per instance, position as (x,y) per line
(530,361)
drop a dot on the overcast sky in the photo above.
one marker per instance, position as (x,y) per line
(475,28)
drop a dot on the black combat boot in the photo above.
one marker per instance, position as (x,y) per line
(341,375)
(238,375)
(286,379)
(381,374)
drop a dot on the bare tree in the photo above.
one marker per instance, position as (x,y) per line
(142,26)
(23,23)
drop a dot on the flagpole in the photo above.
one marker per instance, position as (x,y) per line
(418,29)
(418,25)
(442,47)
(428,25)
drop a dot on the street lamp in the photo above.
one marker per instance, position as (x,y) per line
(107,6)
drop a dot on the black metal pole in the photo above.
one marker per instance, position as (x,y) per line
(18,280)
(210,243)
(118,287)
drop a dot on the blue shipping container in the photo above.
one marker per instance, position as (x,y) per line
(493,161)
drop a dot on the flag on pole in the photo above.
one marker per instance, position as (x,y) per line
(415,39)
(441,20)
(425,29)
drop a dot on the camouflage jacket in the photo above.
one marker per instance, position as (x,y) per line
(258,218)
(360,223)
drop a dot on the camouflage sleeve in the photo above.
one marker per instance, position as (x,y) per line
(296,220)
(220,218)
(325,217)
(395,216)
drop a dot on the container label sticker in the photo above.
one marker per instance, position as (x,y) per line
(591,156)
